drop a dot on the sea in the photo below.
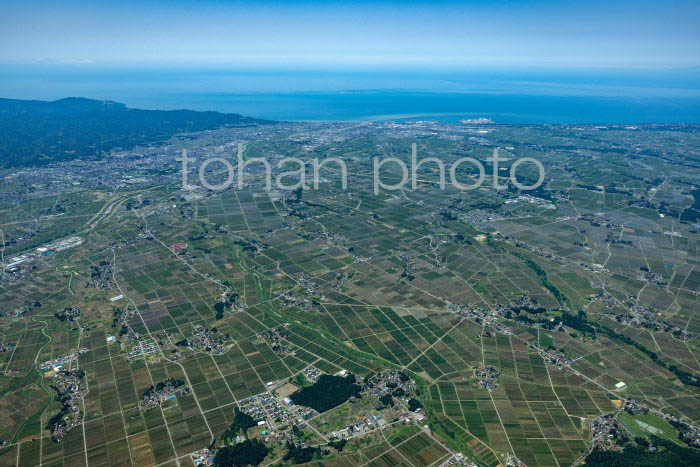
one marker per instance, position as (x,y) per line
(505,96)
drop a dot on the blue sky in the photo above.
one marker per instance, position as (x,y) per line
(453,35)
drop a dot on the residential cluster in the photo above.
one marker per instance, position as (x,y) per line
(303,303)
(69,314)
(20,311)
(487,376)
(277,339)
(163,391)
(513,461)
(459,459)
(605,430)
(644,317)
(311,373)
(207,340)
(62,361)
(654,278)
(275,412)
(70,390)
(143,346)
(101,276)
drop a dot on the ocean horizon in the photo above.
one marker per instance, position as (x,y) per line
(505,96)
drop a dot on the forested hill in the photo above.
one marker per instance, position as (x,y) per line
(41,132)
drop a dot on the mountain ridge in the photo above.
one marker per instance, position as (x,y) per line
(36,132)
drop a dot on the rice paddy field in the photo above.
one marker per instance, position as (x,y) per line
(425,281)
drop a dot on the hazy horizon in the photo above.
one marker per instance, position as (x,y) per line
(506,96)
(538,61)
